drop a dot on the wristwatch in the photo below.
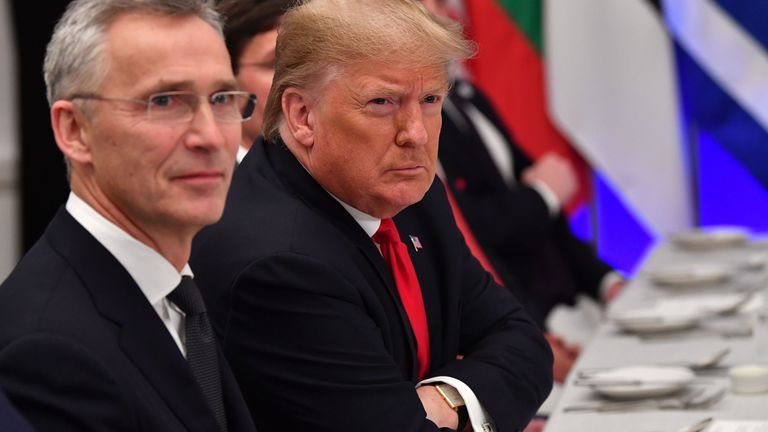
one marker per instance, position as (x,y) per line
(455,401)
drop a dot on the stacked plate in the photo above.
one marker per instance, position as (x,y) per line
(710,238)
(690,275)
(655,320)
(635,382)
(711,304)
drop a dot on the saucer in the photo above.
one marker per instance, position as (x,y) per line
(641,381)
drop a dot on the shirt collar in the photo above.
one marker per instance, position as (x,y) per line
(241,152)
(155,275)
(368,223)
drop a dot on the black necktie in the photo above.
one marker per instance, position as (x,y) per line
(201,345)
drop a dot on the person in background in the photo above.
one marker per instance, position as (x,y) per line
(102,327)
(345,303)
(513,207)
(250,32)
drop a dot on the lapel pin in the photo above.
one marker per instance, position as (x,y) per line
(416,242)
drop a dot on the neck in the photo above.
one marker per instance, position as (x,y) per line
(173,244)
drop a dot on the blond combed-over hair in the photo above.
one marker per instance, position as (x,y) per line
(319,39)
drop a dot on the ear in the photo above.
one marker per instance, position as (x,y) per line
(297,110)
(70,131)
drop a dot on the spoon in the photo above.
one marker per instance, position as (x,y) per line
(735,307)
(710,361)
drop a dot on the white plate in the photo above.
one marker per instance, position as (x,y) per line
(690,275)
(705,303)
(653,320)
(710,238)
(646,381)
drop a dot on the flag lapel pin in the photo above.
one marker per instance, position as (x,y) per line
(416,242)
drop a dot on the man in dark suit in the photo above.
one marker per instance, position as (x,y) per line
(329,324)
(95,335)
(513,206)
(515,212)
(251,32)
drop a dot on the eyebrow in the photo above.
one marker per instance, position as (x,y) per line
(396,90)
(166,85)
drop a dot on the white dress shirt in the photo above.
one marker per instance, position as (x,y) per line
(155,275)
(241,152)
(478,416)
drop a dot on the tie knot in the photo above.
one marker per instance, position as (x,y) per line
(387,232)
(187,297)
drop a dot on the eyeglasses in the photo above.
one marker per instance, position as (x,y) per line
(180,106)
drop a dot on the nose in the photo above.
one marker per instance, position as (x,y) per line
(204,131)
(411,130)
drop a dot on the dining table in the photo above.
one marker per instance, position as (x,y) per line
(723,289)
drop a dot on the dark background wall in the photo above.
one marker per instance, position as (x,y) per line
(43,179)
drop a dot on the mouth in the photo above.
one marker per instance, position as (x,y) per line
(200,177)
(409,170)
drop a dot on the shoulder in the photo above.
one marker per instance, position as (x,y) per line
(36,386)
(40,281)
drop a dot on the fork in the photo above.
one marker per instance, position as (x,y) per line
(640,403)
(695,398)
(696,427)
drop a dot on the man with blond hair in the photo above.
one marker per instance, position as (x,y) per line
(345,295)
(101,325)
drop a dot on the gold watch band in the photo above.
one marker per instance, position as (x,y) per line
(451,395)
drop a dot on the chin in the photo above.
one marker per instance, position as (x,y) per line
(403,201)
(205,214)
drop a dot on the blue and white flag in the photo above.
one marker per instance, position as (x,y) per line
(723,77)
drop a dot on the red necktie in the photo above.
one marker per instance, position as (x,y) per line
(396,256)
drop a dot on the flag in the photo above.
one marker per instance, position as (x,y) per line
(723,73)
(612,89)
(509,68)
(416,243)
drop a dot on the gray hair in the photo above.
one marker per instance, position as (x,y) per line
(74,59)
(321,38)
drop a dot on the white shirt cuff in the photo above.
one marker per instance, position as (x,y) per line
(478,416)
(549,197)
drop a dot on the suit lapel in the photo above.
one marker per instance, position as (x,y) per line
(143,336)
(296,179)
(423,263)
(521,159)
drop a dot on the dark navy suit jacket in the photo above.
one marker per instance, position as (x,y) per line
(81,348)
(312,324)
